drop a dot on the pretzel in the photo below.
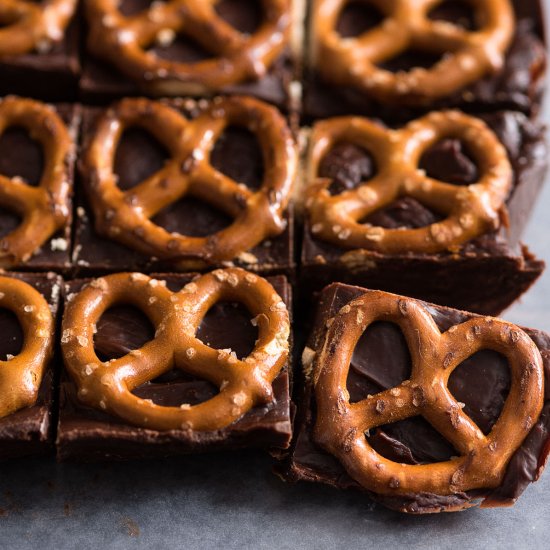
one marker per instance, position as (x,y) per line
(126,216)
(21,376)
(43,209)
(470,210)
(27,26)
(341,426)
(237,57)
(468,55)
(243,383)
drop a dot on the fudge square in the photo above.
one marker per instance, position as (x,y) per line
(229,388)
(424,407)
(434,209)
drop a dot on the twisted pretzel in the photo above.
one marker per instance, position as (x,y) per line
(341,426)
(43,209)
(468,55)
(470,210)
(31,25)
(126,216)
(237,57)
(177,316)
(21,376)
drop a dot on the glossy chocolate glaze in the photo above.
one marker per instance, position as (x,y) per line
(140,155)
(88,434)
(452,279)
(380,361)
(26,160)
(517,86)
(102,83)
(29,431)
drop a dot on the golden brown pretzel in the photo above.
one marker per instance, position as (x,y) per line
(237,57)
(43,209)
(21,376)
(341,426)
(126,216)
(32,25)
(176,316)
(468,55)
(470,210)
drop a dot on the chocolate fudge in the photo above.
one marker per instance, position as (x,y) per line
(518,85)
(138,156)
(87,434)
(22,156)
(486,274)
(382,360)
(30,431)
(102,82)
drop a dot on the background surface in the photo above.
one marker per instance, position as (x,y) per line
(233,500)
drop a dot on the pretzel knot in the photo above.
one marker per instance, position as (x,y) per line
(43,209)
(126,216)
(341,426)
(25,26)
(177,316)
(236,56)
(466,55)
(469,210)
(21,376)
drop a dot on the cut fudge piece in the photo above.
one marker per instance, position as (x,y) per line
(37,158)
(28,311)
(190,390)
(396,210)
(231,46)
(411,64)
(39,50)
(426,408)
(169,200)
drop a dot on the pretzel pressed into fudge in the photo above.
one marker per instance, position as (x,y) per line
(21,375)
(469,211)
(27,26)
(243,383)
(356,61)
(342,427)
(237,57)
(125,216)
(43,209)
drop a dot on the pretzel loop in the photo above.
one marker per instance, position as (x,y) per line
(125,215)
(341,426)
(469,210)
(21,376)
(43,209)
(30,25)
(237,57)
(243,383)
(468,55)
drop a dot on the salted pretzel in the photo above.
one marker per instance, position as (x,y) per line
(43,209)
(467,55)
(26,26)
(177,316)
(341,426)
(237,57)
(21,376)
(125,216)
(469,210)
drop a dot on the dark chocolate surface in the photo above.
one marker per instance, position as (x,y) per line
(448,278)
(381,360)
(517,86)
(89,434)
(138,156)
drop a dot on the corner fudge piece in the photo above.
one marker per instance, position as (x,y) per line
(200,381)
(426,408)
(434,210)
